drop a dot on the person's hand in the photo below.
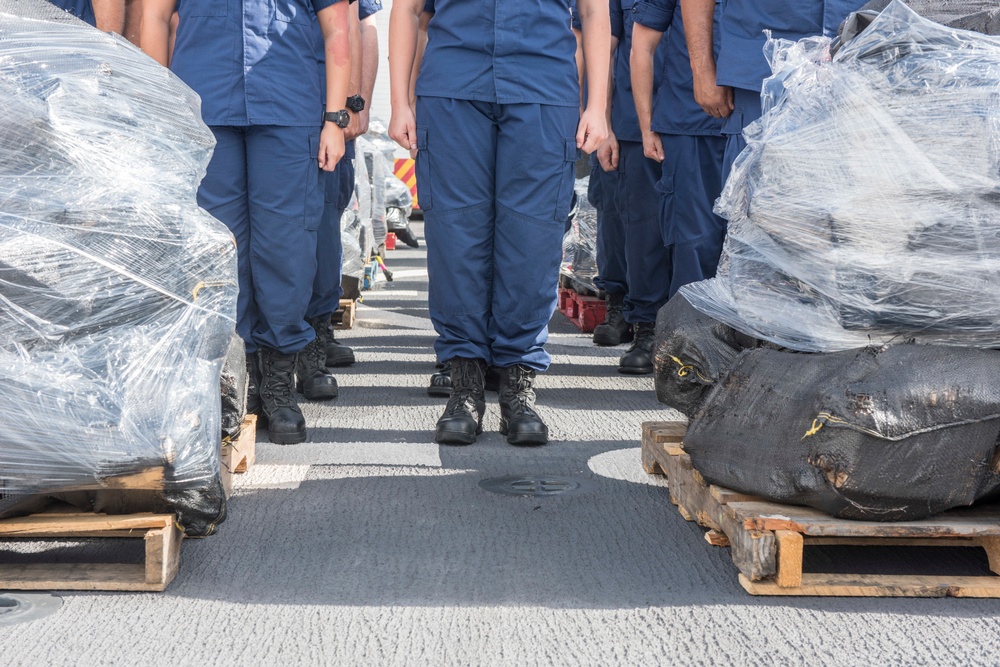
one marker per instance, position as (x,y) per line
(364,117)
(403,127)
(331,146)
(607,154)
(592,131)
(353,129)
(652,146)
(716,101)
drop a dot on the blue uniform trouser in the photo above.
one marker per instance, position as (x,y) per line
(611,271)
(327,290)
(746,109)
(496,185)
(691,182)
(264,184)
(648,262)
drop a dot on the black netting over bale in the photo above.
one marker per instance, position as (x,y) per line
(691,351)
(888,434)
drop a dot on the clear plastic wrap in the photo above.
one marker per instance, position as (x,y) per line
(866,207)
(356,223)
(117,292)
(579,262)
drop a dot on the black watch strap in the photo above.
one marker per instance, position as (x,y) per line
(356,103)
(339,118)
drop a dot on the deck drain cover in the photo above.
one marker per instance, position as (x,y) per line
(27,607)
(532,485)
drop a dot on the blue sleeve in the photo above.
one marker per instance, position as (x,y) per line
(654,14)
(574,16)
(617,20)
(368,7)
(320,5)
(429,6)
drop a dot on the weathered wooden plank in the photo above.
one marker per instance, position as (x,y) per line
(973,522)
(717,538)
(68,525)
(871,585)
(789,573)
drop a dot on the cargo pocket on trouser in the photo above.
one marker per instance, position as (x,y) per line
(423,172)
(665,187)
(315,187)
(567,180)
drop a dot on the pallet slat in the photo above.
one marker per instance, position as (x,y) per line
(767,540)
(240,455)
(162,553)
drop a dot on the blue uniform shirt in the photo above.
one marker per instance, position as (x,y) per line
(368,7)
(81,9)
(741,63)
(253,62)
(674,108)
(501,51)
(624,119)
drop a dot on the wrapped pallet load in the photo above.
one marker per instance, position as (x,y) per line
(842,358)
(117,292)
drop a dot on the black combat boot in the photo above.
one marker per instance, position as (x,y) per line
(337,354)
(253,385)
(518,419)
(462,420)
(314,381)
(441,383)
(285,423)
(639,358)
(614,330)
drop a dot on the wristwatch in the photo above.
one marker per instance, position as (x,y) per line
(356,103)
(339,118)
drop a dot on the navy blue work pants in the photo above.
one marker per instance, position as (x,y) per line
(327,290)
(689,186)
(611,271)
(746,110)
(496,184)
(264,183)
(648,262)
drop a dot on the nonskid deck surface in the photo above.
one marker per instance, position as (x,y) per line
(369,544)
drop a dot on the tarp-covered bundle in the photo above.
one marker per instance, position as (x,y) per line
(887,434)
(866,207)
(117,292)
(579,261)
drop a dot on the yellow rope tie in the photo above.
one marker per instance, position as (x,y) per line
(685,370)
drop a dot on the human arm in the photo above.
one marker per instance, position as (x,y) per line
(154,29)
(717,101)
(607,154)
(334,21)
(593,127)
(109,15)
(369,66)
(645,41)
(354,87)
(133,19)
(403,27)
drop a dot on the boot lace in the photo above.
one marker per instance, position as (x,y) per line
(467,380)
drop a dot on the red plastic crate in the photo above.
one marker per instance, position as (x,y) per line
(586,312)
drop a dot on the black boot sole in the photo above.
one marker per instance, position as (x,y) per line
(443,437)
(281,438)
(610,340)
(339,360)
(439,392)
(642,370)
(525,439)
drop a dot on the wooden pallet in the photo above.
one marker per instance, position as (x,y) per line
(586,312)
(767,539)
(344,317)
(160,532)
(240,454)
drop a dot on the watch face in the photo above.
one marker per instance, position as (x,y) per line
(355,103)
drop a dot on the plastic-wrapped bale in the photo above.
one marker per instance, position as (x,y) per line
(864,209)
(117,292)
(692,350)
(888,434)
(579,261)
(356,224)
